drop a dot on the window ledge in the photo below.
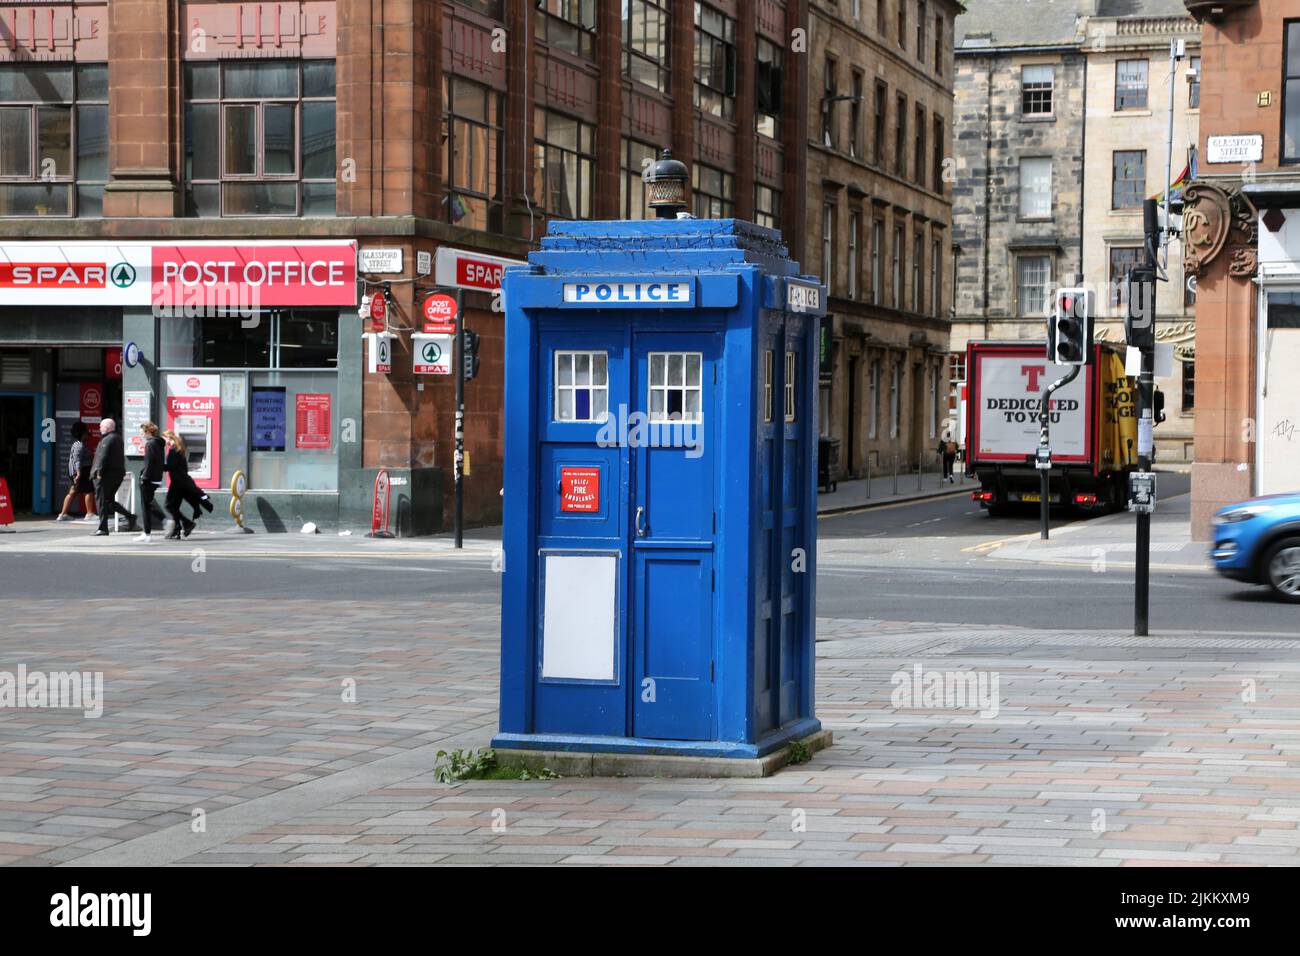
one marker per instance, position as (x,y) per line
(1131,113)
(1038,117)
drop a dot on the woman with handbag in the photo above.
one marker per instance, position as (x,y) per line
(948,452)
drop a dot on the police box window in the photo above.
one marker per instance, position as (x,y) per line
(53,139)
(789,386)
(581,387)
(259,138)
(675,386)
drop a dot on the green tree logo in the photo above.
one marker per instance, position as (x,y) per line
(122,275)
(432,352)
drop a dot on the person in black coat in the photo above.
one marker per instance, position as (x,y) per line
(151,478)
(179,484)
(108,470)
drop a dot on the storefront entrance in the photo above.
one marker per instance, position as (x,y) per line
(19,431)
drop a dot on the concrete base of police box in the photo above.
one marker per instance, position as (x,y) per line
(573,764)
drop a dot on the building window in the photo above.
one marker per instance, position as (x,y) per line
(877,266)
(637,157)
(873,398)
(568,25)
(918,264)
(1189,386)
(646,42)
(714,192)
(581,387)
(855,9)
(830,128)
(900,137)
(565,160)
(855,117)
(789,386)
(53,139)
(767,206)
(880,17)
(675,387)
(828,247)
(770,77)
(1036,188)
(896,293)
(902,23)
(938,44)
(1131,84)
(937,161)
(956,367)
(259,138)
(855,260)
(932,403)
(1033,284)
(918,161)
(768,362)
(283,339)
(1122,260)
(715,62)
(1189,289)
(1129,182)
(1291,93)
(472,154)
(936,288)
(895,373)
(1194,86)
(921,16)
(878,146)
(1036,89)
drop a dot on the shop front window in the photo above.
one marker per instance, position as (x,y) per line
(260,138)
(53,139)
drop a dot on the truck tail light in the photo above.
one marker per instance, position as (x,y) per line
(981,496)
(1085,499)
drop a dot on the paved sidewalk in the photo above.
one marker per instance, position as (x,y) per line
(1104,750)
(885,490)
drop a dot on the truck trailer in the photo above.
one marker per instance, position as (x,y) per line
(1093,428)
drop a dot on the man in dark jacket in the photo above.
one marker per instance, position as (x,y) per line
(109,469)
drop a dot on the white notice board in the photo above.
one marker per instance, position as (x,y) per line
(579,616)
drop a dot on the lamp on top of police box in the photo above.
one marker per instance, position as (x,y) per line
(667,186)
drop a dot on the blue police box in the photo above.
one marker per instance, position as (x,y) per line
(660,491)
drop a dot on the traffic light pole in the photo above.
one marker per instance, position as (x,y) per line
(1044,461)
(1146,425)
(459,513)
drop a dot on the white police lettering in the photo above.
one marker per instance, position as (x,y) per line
(627,293)
(802,298)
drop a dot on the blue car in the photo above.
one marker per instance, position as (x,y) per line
(1258,541)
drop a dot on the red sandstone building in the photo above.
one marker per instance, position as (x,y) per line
(1241,232)
(300,144)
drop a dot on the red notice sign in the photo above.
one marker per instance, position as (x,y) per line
(313,421)
(580,490)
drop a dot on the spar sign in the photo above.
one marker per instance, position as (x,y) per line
(199,276)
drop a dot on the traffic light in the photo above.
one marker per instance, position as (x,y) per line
(471,354)
(1069,332)
(1140,317)
(1158,405)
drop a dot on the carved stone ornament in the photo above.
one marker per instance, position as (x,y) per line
(1214,219)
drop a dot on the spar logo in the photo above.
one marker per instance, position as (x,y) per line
(431,353)
(122,275)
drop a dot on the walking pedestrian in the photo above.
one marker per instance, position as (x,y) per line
(109,469)
(79,461)
(948,452)
(151,478)
(178,484)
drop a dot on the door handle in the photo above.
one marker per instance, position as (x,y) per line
(640,523)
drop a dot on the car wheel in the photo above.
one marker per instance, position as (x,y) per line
(1282,569)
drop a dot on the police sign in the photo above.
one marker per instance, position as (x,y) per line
(660,292)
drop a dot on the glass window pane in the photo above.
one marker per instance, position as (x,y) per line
(582,404)
(566,368)
(202,136)
(90,202)
(693,405)
(54,142)
(657,374)
(676,363)
(693,370)
(92,143)
(309,339)
(262,79)
(201,81)
(318,78)
(564,411)
(15,141)
(280,139)
(319,141)
(599,404)
(241,140)
(35,199)
(318,199)
(656,404)
(92,82)
(260,199)
(203,201)
(28,83)
(598,369)
(582,369)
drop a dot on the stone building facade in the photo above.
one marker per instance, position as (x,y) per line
(1242,229)
(1041,133)
(411,126)
(878,224)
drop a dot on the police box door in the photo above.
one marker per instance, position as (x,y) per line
(672,433)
